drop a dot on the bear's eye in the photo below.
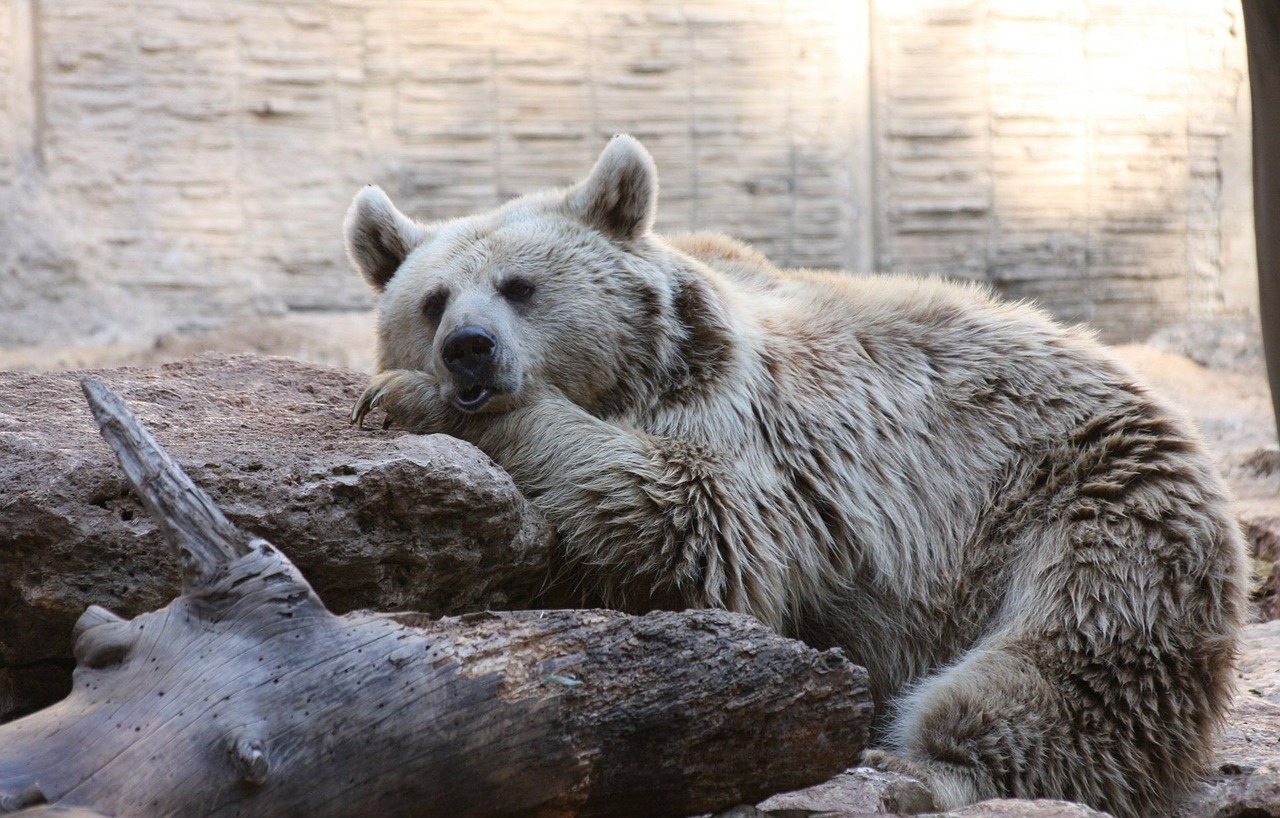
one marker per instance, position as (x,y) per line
(517,289)
(433,304)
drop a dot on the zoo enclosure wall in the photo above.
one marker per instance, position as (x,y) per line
(169,165)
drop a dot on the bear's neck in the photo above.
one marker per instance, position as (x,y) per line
(679,346)
(701,344)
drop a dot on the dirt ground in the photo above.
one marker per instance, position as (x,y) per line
(334,338)
(1212,370)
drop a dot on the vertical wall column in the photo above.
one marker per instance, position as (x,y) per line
(20,61)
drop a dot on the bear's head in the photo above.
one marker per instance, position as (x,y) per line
(567,287)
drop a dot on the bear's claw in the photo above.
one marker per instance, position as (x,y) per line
(370,399)
(363,406)
(407,396)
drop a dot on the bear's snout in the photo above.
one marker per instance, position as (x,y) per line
(469,352)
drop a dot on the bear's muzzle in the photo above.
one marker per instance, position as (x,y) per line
(470,353)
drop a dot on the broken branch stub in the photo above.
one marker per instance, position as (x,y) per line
(193,525)
(246,696)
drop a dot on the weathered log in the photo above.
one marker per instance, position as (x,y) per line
(246,696)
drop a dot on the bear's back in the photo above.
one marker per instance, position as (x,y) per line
(908,412)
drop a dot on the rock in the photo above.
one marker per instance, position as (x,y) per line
(859,790)
(1259,666)
(827,802)
(1255,795)
(865,793)
(1251,738)
(1018,808)
(376,519)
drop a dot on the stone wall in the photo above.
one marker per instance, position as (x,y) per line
(195,158)
(1092,155)
(181,164)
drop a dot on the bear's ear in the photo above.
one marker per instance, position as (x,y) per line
(620,196)
(379,237)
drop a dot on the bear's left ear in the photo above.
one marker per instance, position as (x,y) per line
(620,196)
(379,237)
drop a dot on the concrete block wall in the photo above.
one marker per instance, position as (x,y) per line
(1083,154)
(178,164)
(187,162)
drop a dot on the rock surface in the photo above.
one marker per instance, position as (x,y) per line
(1015,808)
(854,792)
(995,808)
(374,519)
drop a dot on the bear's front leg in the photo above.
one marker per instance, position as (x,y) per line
(645,521)
(410,398)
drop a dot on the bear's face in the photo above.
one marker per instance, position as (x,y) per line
(543,289)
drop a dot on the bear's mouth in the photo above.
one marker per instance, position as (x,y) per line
(472,396)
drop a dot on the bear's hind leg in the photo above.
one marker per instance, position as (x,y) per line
(949,785)
(1108,670)
(993,725)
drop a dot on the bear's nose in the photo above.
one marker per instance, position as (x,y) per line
(469,352)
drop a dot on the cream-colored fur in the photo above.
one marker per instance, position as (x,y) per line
(1029,552)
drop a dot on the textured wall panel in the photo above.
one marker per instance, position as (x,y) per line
(199,156)
(1068,152)
(174,164)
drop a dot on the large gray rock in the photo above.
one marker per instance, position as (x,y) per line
(375,519)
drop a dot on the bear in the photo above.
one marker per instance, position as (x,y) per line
(1030,553)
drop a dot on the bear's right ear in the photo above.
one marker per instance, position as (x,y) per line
(620,197)
(379,237)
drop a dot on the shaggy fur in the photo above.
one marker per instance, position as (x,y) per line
(1029,552)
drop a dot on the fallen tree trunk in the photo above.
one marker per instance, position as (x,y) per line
(246,696)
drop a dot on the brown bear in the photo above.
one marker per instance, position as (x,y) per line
(1030,553)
